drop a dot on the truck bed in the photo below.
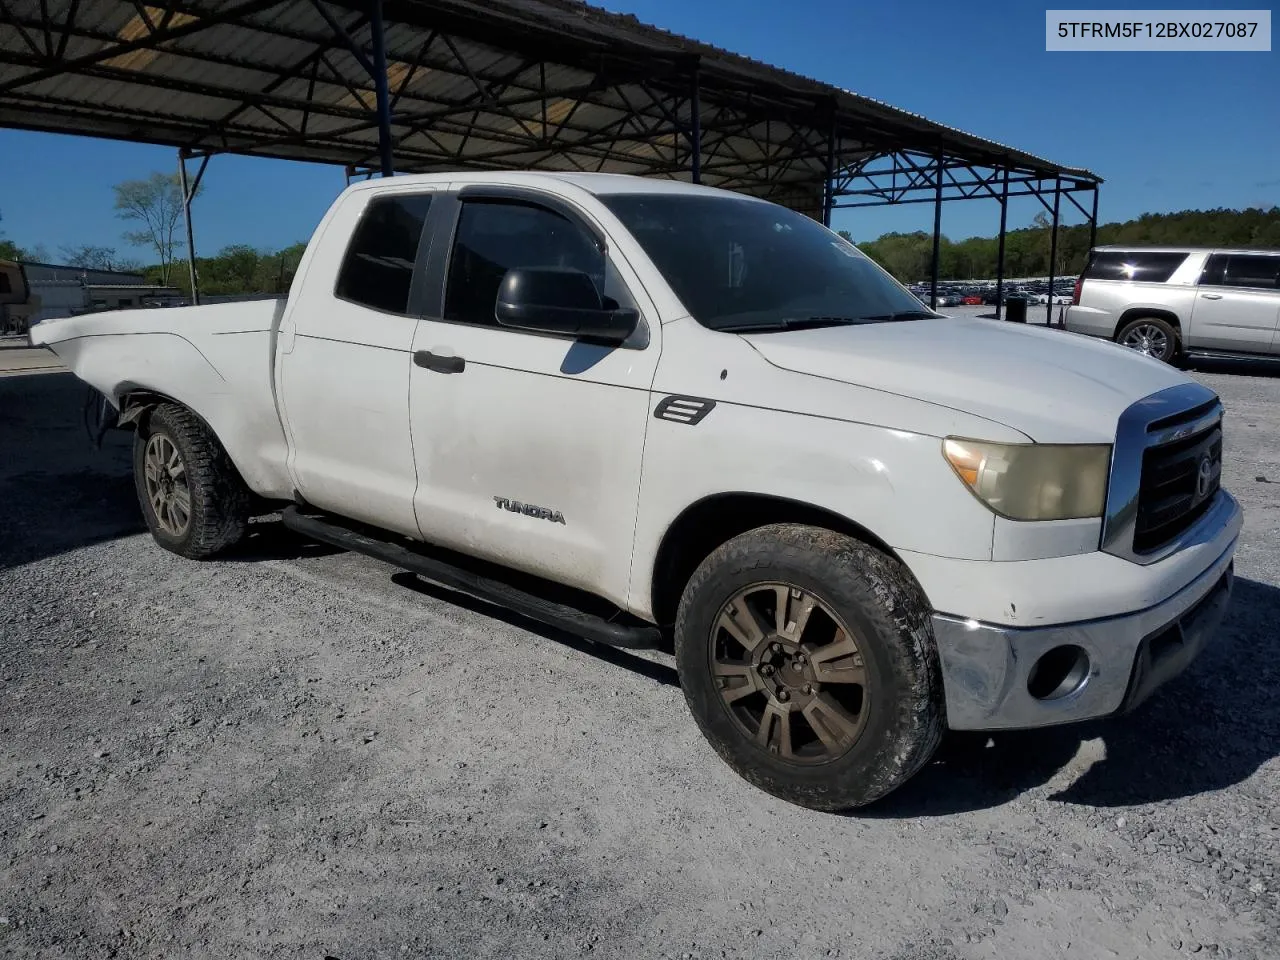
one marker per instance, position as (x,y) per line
(216,359)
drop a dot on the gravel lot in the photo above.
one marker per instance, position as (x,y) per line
(299,753)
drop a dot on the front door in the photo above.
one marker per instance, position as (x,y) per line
(529,446)
(344,359)
(1237,304)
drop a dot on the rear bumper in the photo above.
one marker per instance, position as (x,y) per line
(1091,321)
(987,667)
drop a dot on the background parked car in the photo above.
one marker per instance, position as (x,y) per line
(1170,301)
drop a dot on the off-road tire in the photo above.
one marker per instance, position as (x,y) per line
(882,606)
(219,498)
(1173,346)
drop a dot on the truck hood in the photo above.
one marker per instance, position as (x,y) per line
(1053,386)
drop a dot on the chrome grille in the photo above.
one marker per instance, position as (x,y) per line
(1165,472)
(1178,482)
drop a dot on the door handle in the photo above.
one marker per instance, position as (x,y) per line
(1212,296)
(438,363)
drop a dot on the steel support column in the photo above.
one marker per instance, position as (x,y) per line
(829,184)
(1053,249)
(695,126)
(189,190)
(1004,221)
(937,237)
(1093,220)
(381,91)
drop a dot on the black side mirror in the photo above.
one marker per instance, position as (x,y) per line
(549,300)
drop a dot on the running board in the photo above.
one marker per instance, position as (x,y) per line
(565,617)
(1224,355)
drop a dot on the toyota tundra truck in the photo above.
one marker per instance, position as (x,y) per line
(652,412)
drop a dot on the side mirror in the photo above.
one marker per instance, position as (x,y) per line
(548,300)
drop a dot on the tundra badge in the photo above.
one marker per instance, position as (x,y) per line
(528,509)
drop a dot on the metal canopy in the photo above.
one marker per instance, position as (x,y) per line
(519,84)
(422,85)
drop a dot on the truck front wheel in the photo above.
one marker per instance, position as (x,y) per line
(807,660)
(192,498)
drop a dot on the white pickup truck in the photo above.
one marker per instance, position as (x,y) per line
(638,409)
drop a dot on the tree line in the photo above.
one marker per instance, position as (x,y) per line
(153,208)
(909,256)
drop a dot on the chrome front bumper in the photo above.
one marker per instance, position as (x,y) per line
(986,667)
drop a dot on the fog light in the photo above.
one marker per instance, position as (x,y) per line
(1059,673)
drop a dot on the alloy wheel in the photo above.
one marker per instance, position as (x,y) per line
(790,673)
(165,476)
(1148,339)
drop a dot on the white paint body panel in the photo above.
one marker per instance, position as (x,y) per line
(343,373)
(1055,389)
(849,420)
(215,360)
(544,421)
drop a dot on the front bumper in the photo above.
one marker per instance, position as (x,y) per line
(986,667)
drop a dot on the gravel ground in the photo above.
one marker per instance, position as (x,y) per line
(299,753)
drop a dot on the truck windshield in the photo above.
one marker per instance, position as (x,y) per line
(741,265)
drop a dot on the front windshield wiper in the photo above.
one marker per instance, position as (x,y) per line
(811,323)
(792,323)
(901,315)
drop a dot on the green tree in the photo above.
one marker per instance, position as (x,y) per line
(8,249)
(156,204)
(233,270)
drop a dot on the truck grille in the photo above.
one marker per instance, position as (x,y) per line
(1180,477)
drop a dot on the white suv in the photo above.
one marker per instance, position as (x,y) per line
(1172,301)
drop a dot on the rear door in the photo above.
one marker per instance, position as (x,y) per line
(529,445)
(345,355)
(1237,304)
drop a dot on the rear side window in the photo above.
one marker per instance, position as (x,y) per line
(5,286)
(1255,271)
(1148,266)
(378,268)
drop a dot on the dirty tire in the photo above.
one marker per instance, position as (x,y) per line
(888,617)
(1167,345)
(219,500)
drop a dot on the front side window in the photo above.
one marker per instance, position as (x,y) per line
(1254,271)
(494,236)
(377,270)
(1151,266)
(738,264)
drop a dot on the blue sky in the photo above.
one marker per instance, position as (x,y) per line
(1168,131)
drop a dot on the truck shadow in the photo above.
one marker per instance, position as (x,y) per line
(1210,728)
(1245,368)
(269,539)
(46,514)
(58,492)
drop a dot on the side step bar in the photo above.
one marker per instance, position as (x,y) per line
(1226,355)
(567,618)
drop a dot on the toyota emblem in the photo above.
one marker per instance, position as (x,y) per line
(1204,478)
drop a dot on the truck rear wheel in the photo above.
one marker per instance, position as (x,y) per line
(192,498)
(807,660)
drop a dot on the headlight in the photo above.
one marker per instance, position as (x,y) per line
(1033,481)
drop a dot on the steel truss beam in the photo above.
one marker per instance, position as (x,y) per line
(357,94)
